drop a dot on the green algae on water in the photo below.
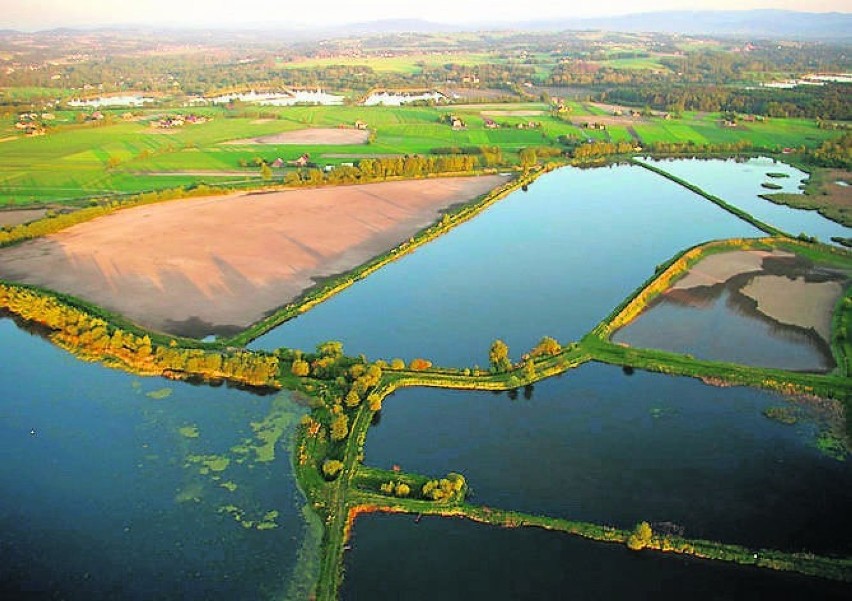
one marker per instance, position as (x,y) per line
(159,394)
(189,431)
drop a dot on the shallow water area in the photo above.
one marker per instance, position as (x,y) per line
(116,486)
(746,318)
(600,446)
(394,557)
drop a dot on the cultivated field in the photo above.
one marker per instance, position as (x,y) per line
(77,161)
(217,264)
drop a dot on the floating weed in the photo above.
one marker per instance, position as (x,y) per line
(162,393)
(784,415)
(189,431)
(229,486)
(209,463)
(832,445)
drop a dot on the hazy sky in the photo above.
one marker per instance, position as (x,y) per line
(45,14)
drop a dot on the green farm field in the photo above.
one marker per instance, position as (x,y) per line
(80,161)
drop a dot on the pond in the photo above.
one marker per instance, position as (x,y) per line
(721,322)
(122,487)
(738,182)
(393,557)
(601,446)
(552,261)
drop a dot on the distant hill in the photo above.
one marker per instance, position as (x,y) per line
(749,23)
(769,23)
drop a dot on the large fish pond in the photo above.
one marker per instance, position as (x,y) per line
(552,261)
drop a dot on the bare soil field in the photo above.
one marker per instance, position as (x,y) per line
(214,265)
(512,113)
(797,302)
(311,136)
(719,268)
(19,216)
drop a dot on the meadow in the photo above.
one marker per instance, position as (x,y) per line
(78,161)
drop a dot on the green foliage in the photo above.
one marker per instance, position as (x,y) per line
(640,537)
(340,427)
(300,368)
(498,356)
(331,468)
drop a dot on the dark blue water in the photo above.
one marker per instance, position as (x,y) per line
(552,261)
(739,183)
(101,498)
(441,558)
(600,446)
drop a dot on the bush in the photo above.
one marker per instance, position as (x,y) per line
(331,468)
(640,537)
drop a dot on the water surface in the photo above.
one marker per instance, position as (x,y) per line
(392,557)
(738,183)
(600,446)
(552,261)
(103,495)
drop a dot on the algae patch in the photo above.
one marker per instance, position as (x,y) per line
(189,431)
(159,394)
(209,463)
(265,522)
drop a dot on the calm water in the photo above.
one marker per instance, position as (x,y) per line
(101,498)
(721,323)
(552,261)
(597,445)
(738,183)
(394,558)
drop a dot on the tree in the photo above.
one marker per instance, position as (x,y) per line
(420,364)
(546,346)
(331,348)
(352,399)
(402,489)
(499,356)
(331,468)
(640,537)
(300,368)
(340,427)
(374,401)
(265,172)
(528,158)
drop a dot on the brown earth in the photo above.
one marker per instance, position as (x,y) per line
(312,136)
(512,113)
(16,217)
(217,264)
(719,268)
(797,302)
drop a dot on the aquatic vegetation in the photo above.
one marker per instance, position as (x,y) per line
(832,445)
(265,522)
(784,415)
(159,394)
(209,463)
(229,486)
(189,431)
